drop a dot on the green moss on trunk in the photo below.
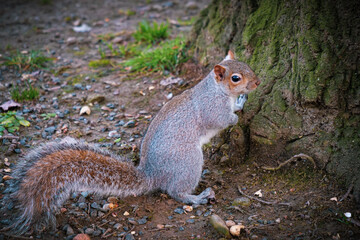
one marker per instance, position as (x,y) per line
(306,54)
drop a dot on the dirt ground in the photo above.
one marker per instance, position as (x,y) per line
(32,25)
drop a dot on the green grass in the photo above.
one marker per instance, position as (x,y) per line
(27,94)
(30,61)
(151,33)
(47,116)
(166,56)
(100,63)
(11,122)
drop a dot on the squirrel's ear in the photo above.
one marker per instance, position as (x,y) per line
(229,56)
(219,72)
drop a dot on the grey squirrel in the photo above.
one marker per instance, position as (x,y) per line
(171,157)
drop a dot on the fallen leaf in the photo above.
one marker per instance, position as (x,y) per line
(333,199)
(9,104)
(24,123)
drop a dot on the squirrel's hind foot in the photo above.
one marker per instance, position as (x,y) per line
(208,195)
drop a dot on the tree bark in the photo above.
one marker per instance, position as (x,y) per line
(307,55)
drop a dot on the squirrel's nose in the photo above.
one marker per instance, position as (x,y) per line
(257,83)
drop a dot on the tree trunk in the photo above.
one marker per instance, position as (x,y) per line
(307,55)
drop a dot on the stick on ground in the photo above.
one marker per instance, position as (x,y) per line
(262,201)
(292,159)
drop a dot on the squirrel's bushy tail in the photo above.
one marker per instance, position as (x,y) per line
(44,179)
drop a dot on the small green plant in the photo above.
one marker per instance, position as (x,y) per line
(47,116)
(127,12)
(28,61)
(99,63)
(122,50)
(164,57)
(151,33)
(102,52)
(11,122)
(28,94)
(189,22)
(106,37)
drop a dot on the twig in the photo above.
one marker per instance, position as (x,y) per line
(295,157)
(105,235)
(261,226)
(239,209)
(110,212)
(9,137)
(357,223)
(347,193)
(262,201)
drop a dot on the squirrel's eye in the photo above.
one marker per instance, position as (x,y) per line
(236,78)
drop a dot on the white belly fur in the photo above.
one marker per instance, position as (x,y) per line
(206,138)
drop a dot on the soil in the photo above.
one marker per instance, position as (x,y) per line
(28,25)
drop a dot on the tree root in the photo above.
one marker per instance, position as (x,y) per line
(262,201)
(292,159)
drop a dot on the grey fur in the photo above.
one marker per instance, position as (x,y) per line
(171,157)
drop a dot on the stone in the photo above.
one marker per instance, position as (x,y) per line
(129,237)
(82,236)
(242,201)
(236,230)
(96,99)
(142,221)
(179,210)
(130,124)
(219,225)
(95,205)
(230,223)
(191,5)
(71,40)
(89,231)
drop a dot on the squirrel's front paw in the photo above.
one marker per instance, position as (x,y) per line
(240,102)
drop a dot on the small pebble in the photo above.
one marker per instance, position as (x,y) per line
(236,230)
(179,210)
(89,231)
(142,221)
(95,205)
(83,205)
(117,226)
(81,236)
(130,124)
(84,194)
(230,223)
